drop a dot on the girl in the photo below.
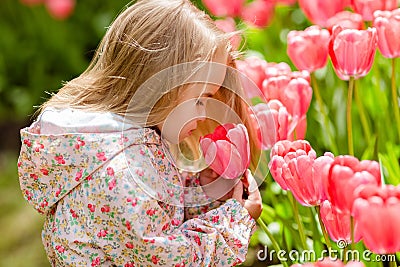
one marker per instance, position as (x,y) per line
(111,193)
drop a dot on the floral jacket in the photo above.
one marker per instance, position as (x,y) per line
(112,198)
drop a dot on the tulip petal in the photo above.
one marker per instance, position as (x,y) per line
(239,137)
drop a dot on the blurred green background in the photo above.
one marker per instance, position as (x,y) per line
(38,53)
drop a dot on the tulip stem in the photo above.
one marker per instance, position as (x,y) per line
(296,214)
(349,122)
(345,258)
(394,96)
(363,116)
(325,233)
(353,245)
(271,237)
(392,263)
(321,104)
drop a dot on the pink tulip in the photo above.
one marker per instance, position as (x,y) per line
(301,172)
(301,74)
(346,178)
(367,7)
(347,20)
(273,123)
(258,13)
(227,150)
(294,93)
(308,49)
(252,69)
(224,8)
(337,224)
(387,24)
(327,262)
(301,128)
(352,51)
(376,212)
(281,155)
(228,25)
(60,9)
(319,11)
(273,69)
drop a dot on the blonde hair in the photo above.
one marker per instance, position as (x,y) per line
(146,38)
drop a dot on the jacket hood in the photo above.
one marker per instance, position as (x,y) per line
(51,165)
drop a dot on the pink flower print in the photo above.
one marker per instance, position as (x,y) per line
(91,207)
(44,171)
(112,184)
(129,245)
(78,175)
(19,164)
(27,142)
(155,259)
(33,176)
(170,192)
(28,195)
(141,151)
(237,243)
(123,140)
(197,240)
(60,159)
(105,208)
(73,213)
(37,147)
(160,154)
(215,219)
(129,264)
(96,262)
(101,156)
(146,240)
(165,227)
(110,171)
(237,262)
(182,264)
(60,249)
(133,201)
(128,225)
(175,222)
(102,233)
(79,143)
(89,178)
(140,172)
(58,191)
(171,237)
(44,203)
(151,212)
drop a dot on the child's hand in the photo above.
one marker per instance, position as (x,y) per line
(217,187)
(253,203)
